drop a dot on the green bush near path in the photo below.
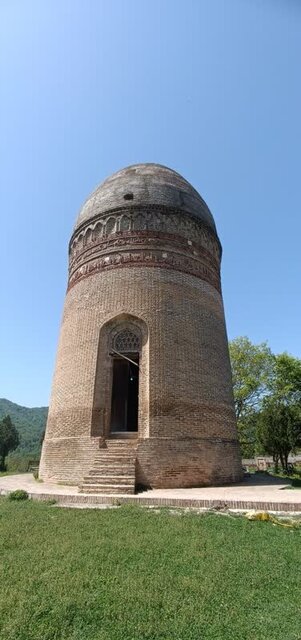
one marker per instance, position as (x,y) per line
(138,574)
(18,494)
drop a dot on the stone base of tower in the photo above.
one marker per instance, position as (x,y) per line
(67,460)
(160,462)
(166,463)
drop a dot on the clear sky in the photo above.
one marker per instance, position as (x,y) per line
(211,88)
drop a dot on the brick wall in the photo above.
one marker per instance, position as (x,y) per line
(166,280)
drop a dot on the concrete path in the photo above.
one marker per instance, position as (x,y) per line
(256,492)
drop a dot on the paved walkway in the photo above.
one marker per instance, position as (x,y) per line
(256,492)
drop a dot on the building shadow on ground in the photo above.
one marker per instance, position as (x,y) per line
(262,478)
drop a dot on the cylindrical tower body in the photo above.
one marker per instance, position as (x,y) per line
(143,352)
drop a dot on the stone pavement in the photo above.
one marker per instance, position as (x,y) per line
(256,492)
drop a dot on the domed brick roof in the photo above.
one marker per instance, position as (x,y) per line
(145,184)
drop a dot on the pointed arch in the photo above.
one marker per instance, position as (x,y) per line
(130,334)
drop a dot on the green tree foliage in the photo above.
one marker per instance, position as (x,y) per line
(286,381)
(267,396)
(252,374)
(9,439)
(30,423)
(279,429)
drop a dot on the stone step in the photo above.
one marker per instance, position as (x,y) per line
(113,470)
(118,445)
(107,489)
(125,441)
(121,450)
(112,446)
(102,479)
(114,458)
(124,436)
(124,450)
(115,462)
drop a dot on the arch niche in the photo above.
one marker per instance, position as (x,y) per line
(121,391)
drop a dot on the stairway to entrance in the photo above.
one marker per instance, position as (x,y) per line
(113,470)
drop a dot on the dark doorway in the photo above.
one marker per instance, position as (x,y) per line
(124,407)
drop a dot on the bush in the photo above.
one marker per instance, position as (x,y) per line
(296,482)
(19,494)
(18,462)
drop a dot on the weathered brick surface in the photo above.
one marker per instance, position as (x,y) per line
(187,462)
(67,459)
(162,277)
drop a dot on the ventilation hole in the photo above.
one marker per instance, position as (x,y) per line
(128,196)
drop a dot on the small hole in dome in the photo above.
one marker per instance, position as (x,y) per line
(128,196)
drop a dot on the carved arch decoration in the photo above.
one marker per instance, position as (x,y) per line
(127,340)
(139,220)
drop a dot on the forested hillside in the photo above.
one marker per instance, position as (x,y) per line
(30,423)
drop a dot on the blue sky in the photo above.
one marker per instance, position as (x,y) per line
(210,88)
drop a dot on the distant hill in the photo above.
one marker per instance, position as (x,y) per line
(30,423)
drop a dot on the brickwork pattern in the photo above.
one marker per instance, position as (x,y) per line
(170,290)
(158,237)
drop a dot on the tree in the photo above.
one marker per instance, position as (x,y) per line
(266,387)
(9,439)
(279,429)
(279,426)
(286,382)
(252,373)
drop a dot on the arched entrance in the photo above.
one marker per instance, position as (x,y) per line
(125,353)
(121,390)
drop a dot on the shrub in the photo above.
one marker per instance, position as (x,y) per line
(19,494)
(296,482)
(18,462)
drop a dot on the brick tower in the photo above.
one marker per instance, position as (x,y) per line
(142,391)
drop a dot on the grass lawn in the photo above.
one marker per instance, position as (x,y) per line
(7,473)
(132,574)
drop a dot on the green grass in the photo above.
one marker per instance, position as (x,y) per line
(7,473)
(132,574)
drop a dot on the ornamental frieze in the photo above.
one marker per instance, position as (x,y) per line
(145,239)
(162,221)
(157,258)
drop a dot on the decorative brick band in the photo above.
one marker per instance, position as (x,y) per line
(163,220)
(145,258)
(150,214)
(146,238)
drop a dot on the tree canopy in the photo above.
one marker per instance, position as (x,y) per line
(9,439)
(267,397)
(279,430)
(252,370)
(286,381)
(30,423)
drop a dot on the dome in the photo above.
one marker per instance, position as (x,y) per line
(145,184)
